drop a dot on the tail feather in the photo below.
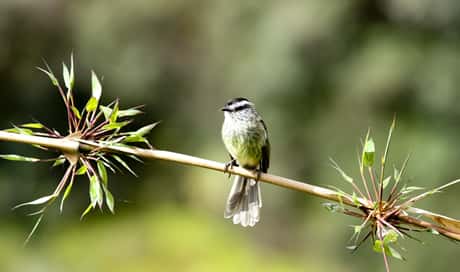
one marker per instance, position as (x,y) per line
(244,202)
(254,204)
(244,212)
(235,196)
(259,195)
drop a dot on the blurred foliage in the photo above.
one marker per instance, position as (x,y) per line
(320,72)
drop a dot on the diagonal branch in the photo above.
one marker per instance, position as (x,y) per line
(70,146)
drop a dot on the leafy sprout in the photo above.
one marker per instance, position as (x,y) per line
(383,199)
(94,123)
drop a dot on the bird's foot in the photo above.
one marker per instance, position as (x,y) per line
(229,165)
(258,174)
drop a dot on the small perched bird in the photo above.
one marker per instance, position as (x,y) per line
(246,138)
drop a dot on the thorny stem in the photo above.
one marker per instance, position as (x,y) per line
(68,101)
(385,258)
(384,158)
(352,213)
(382,221)
(421,196)
(363,177)
(427,225)
(74,146)
(355,187)
(93,130)
(64,179)
(371,174)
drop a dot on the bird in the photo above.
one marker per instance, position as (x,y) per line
(245,137)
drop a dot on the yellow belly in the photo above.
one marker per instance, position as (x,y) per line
(247,151)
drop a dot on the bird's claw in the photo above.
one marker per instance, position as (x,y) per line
(229,165)
(258,174)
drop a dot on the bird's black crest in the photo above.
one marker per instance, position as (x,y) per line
(237,104)
(236,100)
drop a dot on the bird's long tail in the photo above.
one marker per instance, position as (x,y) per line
(244,202)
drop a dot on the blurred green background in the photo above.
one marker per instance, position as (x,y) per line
(320,73)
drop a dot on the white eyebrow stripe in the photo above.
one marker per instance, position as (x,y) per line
(239,104)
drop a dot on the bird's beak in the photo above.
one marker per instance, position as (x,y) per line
(224,109)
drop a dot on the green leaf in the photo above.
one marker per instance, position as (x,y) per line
(145,130)
(76,112)
(390,237)
(116,125)
(133,157)
(19,130)
(107,163)
(368,153)
(396,174)
(59,161)
(37,223)
(33,125)
(102,172)
(95,192)
(124,164)
(114,114)
(128,113)
(109,200)
(91,105)
(82,170)
(387,146)
(88,209)
(394,253)
(385,244)
(386,182)
(53,79)
(38,201)
(134,139)
(67,191)
(355,199)
(66,76)
(341,172)
(106,111)
(14,157)
(119,144)
(378,246)
(96,87)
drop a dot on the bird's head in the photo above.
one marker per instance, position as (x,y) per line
(236,105)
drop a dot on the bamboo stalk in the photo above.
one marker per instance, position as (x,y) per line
(74,146)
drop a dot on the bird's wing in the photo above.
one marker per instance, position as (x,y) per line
(265,162)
